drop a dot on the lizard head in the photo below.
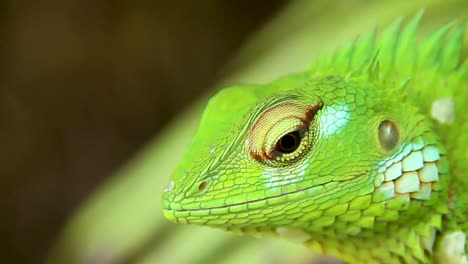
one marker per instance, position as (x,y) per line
(345,152)
(305,152)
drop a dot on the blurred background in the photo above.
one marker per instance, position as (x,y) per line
(85,83)
(88,85)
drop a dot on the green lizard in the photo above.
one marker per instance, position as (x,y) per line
(363,156)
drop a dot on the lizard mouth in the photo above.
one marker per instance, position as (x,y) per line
(168,207)
(176,212)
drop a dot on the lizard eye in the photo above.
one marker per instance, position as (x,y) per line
(289,142)
(282,133)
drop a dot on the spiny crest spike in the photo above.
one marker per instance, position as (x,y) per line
(364,48)
(388,43)
(464,70)
(374,67)
(404,83)
(344,56)
(406,51)
(430,50)
(450,57)
(348,76)
(396,52)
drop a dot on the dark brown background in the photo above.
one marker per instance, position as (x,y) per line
(85,83)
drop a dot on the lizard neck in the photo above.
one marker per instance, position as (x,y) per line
(399,243)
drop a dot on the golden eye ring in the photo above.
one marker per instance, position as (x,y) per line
(283,132)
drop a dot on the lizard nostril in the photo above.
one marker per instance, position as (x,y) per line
(202,186)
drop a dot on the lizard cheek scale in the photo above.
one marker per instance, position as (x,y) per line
(413,173)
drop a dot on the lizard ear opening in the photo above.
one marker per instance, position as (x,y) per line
(388,135)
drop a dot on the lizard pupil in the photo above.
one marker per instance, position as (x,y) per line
(289,142)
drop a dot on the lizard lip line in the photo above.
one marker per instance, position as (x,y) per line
(242,203)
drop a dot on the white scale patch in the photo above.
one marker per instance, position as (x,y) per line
(414,161)
(443,110)
(407,183)
(411,172)
(275,178)
(293,234)
(169,186)
(431,154)
(333,119)
(453,248)
(393,172)
(387,189)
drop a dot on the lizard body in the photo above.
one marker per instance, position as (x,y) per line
(363,156)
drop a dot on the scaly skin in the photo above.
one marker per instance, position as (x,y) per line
(363,156)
